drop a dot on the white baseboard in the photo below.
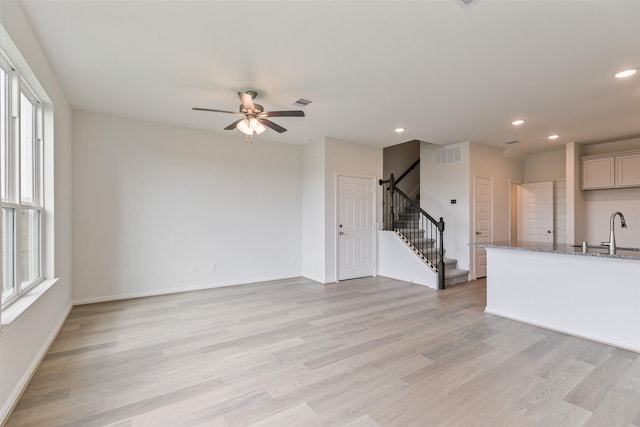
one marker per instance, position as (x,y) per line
(157,292)
(33,367)
(627,345)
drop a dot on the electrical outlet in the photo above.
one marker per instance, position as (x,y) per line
(212,267)
(194,268)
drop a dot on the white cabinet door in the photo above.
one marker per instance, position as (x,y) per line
(628,170)
(598,173)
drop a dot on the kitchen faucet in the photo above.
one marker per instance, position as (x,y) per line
(612,234)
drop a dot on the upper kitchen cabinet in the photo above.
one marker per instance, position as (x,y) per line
(616,170)
(628,170)
(598,172)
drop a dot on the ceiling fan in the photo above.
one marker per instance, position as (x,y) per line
(254,117)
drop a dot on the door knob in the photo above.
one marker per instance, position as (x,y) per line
(478,233)
(549,231)
(341,233)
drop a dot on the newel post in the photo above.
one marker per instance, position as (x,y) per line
(391,188)
(441,255)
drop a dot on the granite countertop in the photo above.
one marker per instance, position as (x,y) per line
(592,250)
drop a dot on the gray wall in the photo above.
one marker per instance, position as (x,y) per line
(397,159)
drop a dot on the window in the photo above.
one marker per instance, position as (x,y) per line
(21,175)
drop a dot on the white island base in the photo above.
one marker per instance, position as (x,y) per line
(591,297)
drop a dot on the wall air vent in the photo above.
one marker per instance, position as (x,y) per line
(447,156)
(302,102)
(515,141)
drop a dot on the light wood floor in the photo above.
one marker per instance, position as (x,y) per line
(366,352)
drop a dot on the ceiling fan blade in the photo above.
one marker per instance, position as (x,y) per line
(233,125)
(295,113)
(270,124)
(215,111)
(247,101)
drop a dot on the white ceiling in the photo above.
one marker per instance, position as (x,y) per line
(446,73)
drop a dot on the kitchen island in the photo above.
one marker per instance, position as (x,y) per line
(590,294)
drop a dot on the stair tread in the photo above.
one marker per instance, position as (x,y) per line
(454,272)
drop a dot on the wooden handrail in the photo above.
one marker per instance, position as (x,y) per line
(405,173)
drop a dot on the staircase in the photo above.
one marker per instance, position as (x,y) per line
(422,233)
(407,227)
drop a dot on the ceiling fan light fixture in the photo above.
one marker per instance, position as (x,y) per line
(243,126)
(256,126)
(250,126)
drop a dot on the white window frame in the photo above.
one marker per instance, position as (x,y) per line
(8,69)
(17,86)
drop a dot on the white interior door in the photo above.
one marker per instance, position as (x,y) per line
(560,211)
(355,227)
(537,212)
(514,207)
(482,219)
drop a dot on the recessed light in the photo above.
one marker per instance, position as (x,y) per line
(554,136)
(626,73)
(399,130)
(517,122)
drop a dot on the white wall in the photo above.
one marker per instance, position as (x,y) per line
(611,147)
(600,204)
(25,341)
(440,184)
(344,158)
(313,210)
(575,197)
(397,261)
(545,166)
(598,207)
(151,201)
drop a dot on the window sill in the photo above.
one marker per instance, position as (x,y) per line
(20,306)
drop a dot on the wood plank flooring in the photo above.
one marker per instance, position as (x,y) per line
(365,352)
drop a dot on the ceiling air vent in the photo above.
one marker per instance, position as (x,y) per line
(447,156)
(467,3)
(302,102)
